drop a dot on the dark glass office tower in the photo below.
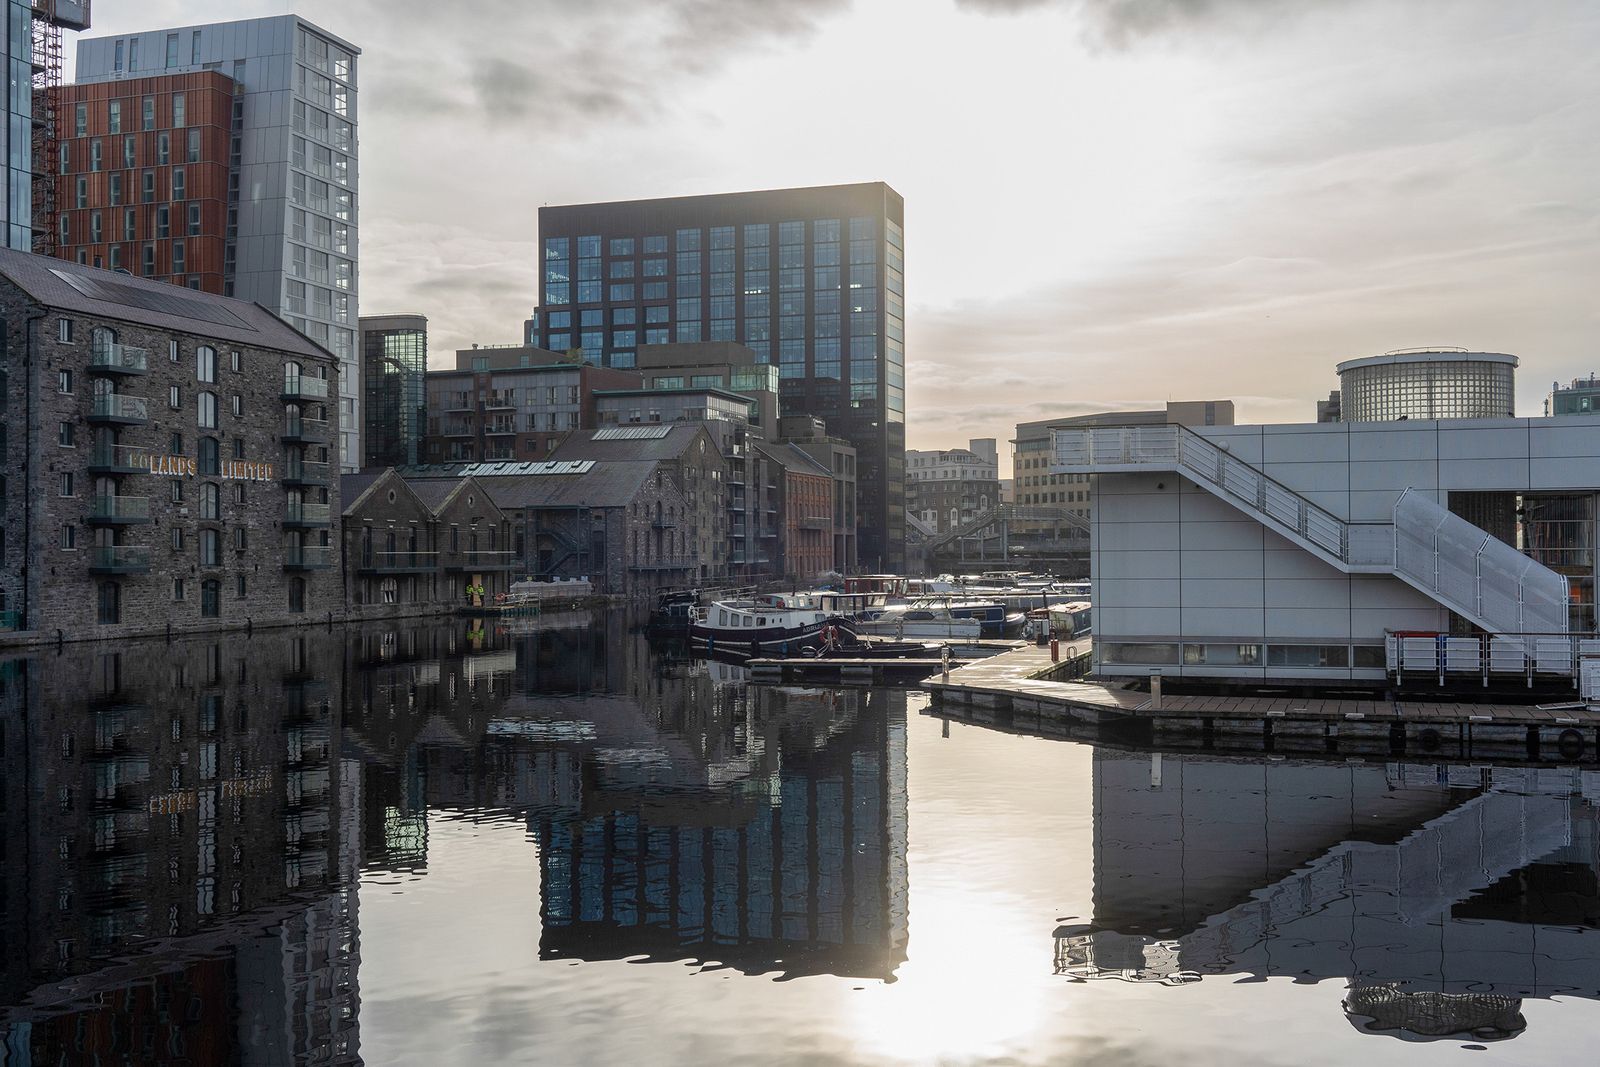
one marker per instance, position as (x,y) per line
(394,370)
(811,279)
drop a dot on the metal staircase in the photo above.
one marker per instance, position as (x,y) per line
(1441,554)
(1007,513)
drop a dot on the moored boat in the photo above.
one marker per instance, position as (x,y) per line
(760,625)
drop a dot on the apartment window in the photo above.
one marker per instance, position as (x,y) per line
(130,223)
(210,501)
(241,539)
(205,363)
(163,148)
(80,120)
(235,361)
(66,487)
(193,154)
(109,602)
(207,411)
(65,435)
(177,583)
(194,217)
(147,113)
(175,494)
(116,55)
(116,192)
(69,537)
(94,226)
(180,191)
(238,583)
(179,118)
(210,457)
(148,266)
(114,120)
(94,154)
(178,265)
(64,381)
(194,47)
(172,50)
(172,349)
(236,403)
(174,397)
(210,548)
(64,330)
(149,186)
(163,221)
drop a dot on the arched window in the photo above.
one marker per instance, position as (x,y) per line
(297,596)
(109,596)
(291,377)
(210,596)
(210,548)
(101,339)
(210,456)
(205,363)
(207,413)
(210,501)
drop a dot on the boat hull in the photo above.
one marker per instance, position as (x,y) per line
(757,640)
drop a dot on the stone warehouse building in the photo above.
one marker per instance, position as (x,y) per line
(166,458)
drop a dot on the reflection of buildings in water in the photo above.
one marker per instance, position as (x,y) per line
(798,866)
(1443,895)
(163,804)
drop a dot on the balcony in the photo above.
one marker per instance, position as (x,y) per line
(297,513)
(479,560)
(459,429)
(499,401)
(458,402)
(303,387)
(297,429)
(501,427)
(307,558)
(119,559)
(305,472)
(109,510)
(119,359)
(120,409)
(402,561)
(815,522)
(118,459)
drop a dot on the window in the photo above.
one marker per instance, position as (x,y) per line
(163,221)
(194,47)
(177,586)
(69,538)
(67,488)
(210,548)
(66,435)
(205,363)
(236,404)
(109,601)
(64,381)
(149,187)
(180,190)
(193,154)
(207,411)
(210,596)
(239,586)
(148,264)
(147,113)
(178,258)
(172,50)
(210,501)
(115,117)
(210,458)
(179,119)
(174,397)
(80,120)
(163,148)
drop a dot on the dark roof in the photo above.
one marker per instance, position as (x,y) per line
(352,486)
(65,286)
(606,485)
(433,491)
(679,438)
(790,457)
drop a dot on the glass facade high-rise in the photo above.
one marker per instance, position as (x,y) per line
(17,131)
(811,279)
(394,371)
(291,228)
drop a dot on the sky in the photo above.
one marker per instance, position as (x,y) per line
(1109,203)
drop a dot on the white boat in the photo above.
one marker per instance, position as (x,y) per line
(760,625)
(917,620)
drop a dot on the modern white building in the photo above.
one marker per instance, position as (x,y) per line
(1338,552)
(292,222)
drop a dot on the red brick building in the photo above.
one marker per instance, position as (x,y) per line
(144,167)
(806,515)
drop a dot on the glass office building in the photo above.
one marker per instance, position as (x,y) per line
(1428,383)
(394,371)
(812,280)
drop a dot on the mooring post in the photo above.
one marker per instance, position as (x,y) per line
(1155,691)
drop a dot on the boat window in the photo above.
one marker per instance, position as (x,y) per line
(761,621)
(919,615)
(722,618)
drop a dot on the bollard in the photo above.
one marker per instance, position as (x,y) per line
(944,660)
(1055,650)
(1155,691)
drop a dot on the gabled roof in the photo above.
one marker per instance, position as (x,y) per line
(789,457)
(597,444)
(605,485)
(64,286)
(356,489)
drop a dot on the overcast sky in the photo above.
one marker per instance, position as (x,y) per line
(1109,203)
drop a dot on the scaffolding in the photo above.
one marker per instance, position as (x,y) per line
(49,18)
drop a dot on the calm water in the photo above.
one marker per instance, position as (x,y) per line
(435,845)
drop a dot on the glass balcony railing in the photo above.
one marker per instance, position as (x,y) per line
(118,459)
(108,508)
(306,471)
(119,359)
(301,428)
(122,408)
(308,557)
(307,514)
(304,387)
(119,557)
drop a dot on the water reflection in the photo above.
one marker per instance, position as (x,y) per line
(1443,895)
(190,833)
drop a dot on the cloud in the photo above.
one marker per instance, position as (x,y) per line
(1120,24)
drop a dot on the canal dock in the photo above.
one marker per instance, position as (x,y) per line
(874,670)
(1024,689)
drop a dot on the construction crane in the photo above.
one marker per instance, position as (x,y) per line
(50,17)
